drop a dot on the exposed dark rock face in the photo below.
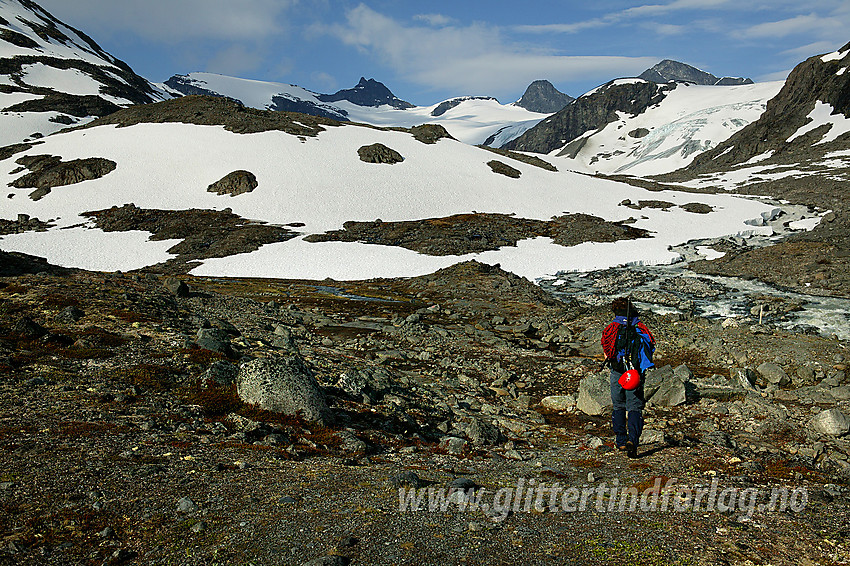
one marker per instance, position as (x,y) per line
(79,106)
(591,112)
(668,70)
(367,93)
(48,171)
(447,105)
(528,159)
(541,96)
(471,233)
(14,263)
(185,85)
(287,104)
(504,169)
(430,133)
(235,183)
(23,224)
(379,153)
(204,233)
(217,111)
(811,81)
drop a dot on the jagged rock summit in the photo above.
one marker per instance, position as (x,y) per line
(367,93)
(669,70)
(541,96)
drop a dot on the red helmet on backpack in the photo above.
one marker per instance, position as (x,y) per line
(630,380)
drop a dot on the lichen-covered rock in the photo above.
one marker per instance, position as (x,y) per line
(558,402)
(283,384)
(774,374)
(379,153)
(234,183)
(832,422)
(594,394)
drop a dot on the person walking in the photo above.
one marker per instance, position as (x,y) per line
(628,345)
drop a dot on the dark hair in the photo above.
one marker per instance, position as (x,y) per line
(623,307)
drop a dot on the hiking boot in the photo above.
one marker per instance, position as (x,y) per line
(631,450)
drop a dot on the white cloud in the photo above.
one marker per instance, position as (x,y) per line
(629,14)
(775,76)
(436,20)
(791,26)
(235,60)
(174,21)
(473,59)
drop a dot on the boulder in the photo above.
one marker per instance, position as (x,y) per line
(214,339)
(504,169)
(176,287)
(744,377)
(353,382)
(653,379)
(670,394)
(453,444)
(477,431)
(594,394)
(558,402)
(683,373)
(774,374)
(650,435)
(379,153)
(831,421)
(235,183)
(283,384)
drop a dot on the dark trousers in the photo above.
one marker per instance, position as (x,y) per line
(626,427)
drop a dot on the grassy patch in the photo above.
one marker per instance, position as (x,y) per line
(150,376)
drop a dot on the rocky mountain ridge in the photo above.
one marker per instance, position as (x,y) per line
(589,112)
(38,52)
(669,70)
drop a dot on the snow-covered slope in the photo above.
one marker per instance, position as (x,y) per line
(54,75)
(321,182)
(473,120)
(669,135)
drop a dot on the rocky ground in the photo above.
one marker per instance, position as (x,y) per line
(123,438)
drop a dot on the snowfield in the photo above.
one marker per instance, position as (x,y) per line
(322,183)
(688,121)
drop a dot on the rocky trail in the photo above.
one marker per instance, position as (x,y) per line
(125,437)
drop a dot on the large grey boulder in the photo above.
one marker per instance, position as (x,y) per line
(670,394)
(774,374)
(831,421)
(283,384)
(594,394)
(234,184)
(653,379)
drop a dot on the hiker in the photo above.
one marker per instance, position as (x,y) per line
(628,344)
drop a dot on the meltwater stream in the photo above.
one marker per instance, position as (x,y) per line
(676,289)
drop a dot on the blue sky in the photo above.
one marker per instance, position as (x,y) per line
(426,52)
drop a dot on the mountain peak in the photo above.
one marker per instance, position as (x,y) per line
(367,92)
(669,70)
(541,96)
